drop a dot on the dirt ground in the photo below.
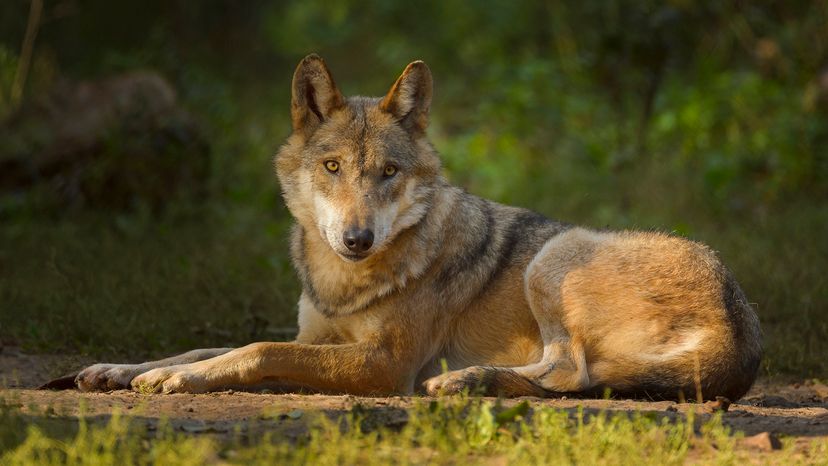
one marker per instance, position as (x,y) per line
(793,410)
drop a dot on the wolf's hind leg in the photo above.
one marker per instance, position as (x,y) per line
(562,370)
(563,367)
(116,376)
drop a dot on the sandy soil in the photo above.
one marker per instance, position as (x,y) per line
(796,410)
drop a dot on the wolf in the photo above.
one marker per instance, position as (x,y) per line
(411,284)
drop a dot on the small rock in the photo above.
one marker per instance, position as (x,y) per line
(820,389)
(194,427)
(295,414)
(721,404)
(764,441)
(772,401)
(199,427)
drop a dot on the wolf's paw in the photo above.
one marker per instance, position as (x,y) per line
(172,379)
(101,377)
(451,383)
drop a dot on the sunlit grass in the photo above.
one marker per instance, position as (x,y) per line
(448,432)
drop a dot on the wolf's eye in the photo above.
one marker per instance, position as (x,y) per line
(332,166)
(390,171)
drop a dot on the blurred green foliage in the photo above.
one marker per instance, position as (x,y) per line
(709,119)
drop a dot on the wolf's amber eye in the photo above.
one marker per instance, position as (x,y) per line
(390,170)
(332,166)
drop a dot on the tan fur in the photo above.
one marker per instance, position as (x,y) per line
(511,302)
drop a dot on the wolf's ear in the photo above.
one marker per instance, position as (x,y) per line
(314,95)
(410,97)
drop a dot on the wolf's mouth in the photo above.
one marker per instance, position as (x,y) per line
(354,257)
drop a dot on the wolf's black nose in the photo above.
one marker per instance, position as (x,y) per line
(358,240)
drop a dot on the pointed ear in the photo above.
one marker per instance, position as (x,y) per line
(410,97)
(314,96)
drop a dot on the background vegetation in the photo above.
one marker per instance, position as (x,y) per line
(708,119)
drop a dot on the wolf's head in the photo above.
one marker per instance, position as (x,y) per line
(358,170)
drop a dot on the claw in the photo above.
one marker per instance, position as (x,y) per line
(67,382)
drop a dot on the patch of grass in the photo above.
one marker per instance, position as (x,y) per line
(450,432)
(129,287)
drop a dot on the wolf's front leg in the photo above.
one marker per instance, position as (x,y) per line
(358,368)
(117,376)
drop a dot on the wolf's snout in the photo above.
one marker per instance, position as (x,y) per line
(358,240)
